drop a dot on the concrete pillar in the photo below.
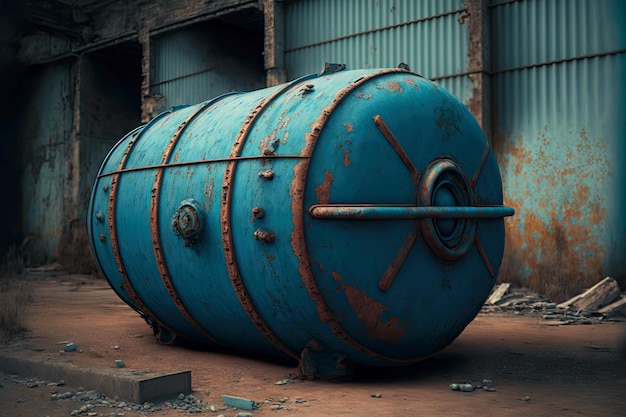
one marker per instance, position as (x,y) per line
(274,48)
(480,63)
(148,103)
(71,188)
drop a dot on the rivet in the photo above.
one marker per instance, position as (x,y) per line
(264,235)
(268,174)
(102,237)
(258,212)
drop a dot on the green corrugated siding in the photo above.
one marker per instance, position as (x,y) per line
(426,35)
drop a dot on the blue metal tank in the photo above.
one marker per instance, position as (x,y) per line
(347,217)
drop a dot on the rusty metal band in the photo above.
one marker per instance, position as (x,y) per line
(395,144)
(298,241)
(483,255)
(225,218)
(197,162)
(394,267)
(480,167)
(156,234)
(111,214)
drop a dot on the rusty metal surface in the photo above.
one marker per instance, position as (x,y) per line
(248,177)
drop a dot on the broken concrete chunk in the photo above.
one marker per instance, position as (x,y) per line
(241,403)
(498,293)
(598,296)
(617,308)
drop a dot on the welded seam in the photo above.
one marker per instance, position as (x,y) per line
(225,218)
(298,241)
(155,233)
(111,215)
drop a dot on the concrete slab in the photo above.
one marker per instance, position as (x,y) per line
(126,384)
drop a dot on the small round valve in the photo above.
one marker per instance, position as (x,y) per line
(187,221)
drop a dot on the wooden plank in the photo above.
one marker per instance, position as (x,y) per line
(617,308)
(602,294)
(498,293)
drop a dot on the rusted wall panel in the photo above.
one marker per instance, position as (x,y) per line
(44,128)
(558,107)
(200,62)
(427,35)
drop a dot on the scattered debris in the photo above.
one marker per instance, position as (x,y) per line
(119,363)
(498,293)
(486,385)
(600,295)
(375,395)
(285,381)
(601,302)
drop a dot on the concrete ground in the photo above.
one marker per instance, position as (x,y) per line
(537,369)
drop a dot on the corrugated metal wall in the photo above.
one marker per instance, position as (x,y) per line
(427,35)
(558,87)
(194,64)
(43,131)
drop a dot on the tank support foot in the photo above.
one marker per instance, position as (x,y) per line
(318,363)
(163,335)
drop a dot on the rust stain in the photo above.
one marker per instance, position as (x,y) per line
(370,312)
(411,81)
(349,128)
(322,191)
(364,96)
(346,158)
(209,193)
(395,86)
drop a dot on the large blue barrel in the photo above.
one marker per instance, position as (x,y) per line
(346,217)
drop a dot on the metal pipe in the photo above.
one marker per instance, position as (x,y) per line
(381,212)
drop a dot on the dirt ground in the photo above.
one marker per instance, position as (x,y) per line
(537,369)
